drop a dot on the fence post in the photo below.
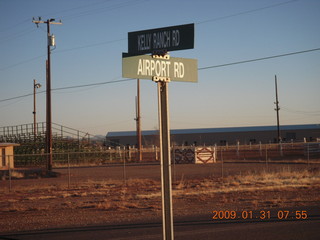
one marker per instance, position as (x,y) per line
(308,156)
(260,149)
(129,154)
(9,168)
(221,162)
(124,171)
(69,171)
(267,156)
(238,148)
(174,162)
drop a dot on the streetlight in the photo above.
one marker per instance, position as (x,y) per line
(35,86)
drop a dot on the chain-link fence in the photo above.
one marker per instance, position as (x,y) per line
(75,167)
(259,152)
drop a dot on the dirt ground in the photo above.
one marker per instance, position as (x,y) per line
(122,194)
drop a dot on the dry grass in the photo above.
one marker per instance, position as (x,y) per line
(112,195)
(265,181)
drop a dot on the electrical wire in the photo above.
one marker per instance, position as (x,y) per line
(259,59)
(90,45)
(14,25)
(22,62)
(71,87)
(92,84)
(96,10)
(12,98)
(245,12)
(117,40)
(285,109)
(79,7)
(203,68)
(17,35)
(101,9)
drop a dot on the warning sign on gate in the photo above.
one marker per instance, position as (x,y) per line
(205,155)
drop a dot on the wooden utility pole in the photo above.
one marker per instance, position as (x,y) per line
(277,109)
(138,119)
(48,90)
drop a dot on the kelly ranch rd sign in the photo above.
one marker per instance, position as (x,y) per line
(147,67)
(170,38)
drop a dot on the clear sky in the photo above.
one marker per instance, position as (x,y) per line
(89,46)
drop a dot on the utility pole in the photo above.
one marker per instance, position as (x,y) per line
(138,120)
(277,109)
(35,86)
(51,43)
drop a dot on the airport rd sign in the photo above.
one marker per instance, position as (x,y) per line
(147,67)
(169,38)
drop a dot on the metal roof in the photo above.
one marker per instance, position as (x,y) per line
(218,130)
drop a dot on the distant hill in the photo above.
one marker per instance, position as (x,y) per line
(98,137)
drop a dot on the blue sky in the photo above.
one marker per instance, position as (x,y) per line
(89,46)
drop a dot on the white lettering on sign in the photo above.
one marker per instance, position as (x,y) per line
(161,40)
(178,69)
(155,67)
(144,42)
(175,38)
(152,67)
(158,40)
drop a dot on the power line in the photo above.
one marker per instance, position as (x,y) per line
(300,111)
(17,35)
(79,7)
(91,84)
(22,96)
(22,62)
(14,25)
(90,45)
(87,12)
(245,12)
(259,59)
(203,68)
(102,9)
(71,87)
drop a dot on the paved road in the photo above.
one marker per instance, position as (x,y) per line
(190,230)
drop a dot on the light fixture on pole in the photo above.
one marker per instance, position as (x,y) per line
(35,86)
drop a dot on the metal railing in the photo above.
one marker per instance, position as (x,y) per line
(26,131)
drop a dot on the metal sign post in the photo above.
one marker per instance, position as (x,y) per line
(165,160)
(162,69)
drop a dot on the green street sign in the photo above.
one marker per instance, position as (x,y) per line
(147,67)
(167,38)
